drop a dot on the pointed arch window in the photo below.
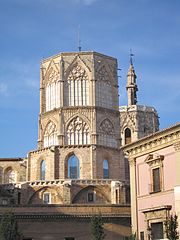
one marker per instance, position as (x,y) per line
(105,169)
(53,90)
(78,132)
(10,176)
(127,136)
(50,135)
(42,170)
(106,134)
(77,87)
(73,167)
(104,88)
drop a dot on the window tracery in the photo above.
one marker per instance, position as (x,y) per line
(50,135)
(78,87)
(78,132)
(106,135)
(53,90)
(10,176)
(104,91)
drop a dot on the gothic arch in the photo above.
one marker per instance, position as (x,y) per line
(77,61)
(41,191)
(107,135)
(52,67)
(66,162)
(85,190)
(10,175)
(77,131)
(50,134)
(77,84)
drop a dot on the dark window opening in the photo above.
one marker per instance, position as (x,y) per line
(141,235)
(90,197)
(127,136)
(157,230)
(156,180)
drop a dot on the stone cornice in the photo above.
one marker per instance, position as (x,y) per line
(177,146)
(153,142)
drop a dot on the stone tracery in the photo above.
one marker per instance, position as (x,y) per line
(78,132)
(50,135)
(106,136)
(78,87)
(53,90)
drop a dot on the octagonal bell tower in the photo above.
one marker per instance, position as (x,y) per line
(79,125)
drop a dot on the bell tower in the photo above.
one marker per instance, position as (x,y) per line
(79,117)
(136,121)
(131,86)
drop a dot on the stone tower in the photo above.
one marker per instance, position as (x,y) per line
(136,121)
(79,127)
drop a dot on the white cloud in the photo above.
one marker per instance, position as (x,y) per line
(3,88)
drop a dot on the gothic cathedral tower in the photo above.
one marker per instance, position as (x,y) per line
(79,127)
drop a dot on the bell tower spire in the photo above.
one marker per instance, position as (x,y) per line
(131,86)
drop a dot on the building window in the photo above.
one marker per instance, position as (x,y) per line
(103,89)
(105,169)
(106,134)
(141,235)
(73,167)
(50,135)
(53,90)
(157,230)
(42,170)
(4,202)
(155,162)
(127,136)
(46,198)
(156,186)
(90,197)
(10,176)
(77,87)
(78,132)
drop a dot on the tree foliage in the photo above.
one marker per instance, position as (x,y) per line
(97,228)
(9,228)
(171,226)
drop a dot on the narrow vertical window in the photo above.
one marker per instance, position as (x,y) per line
(73,167)
(46,198)
(156,180)
(105,169)
(127,136)
(42,170)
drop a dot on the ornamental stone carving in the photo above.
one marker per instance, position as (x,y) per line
(77,73)
(107,127)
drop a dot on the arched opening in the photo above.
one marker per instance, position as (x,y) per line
(105,169)
(73,167)
(42,170)
(127,136)
(9,176)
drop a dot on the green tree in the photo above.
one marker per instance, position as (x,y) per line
(171,226)
(97,228)
(9,228)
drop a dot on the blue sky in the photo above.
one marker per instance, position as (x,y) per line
(31,30)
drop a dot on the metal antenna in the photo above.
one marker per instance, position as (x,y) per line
(131,57)
(79,39)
